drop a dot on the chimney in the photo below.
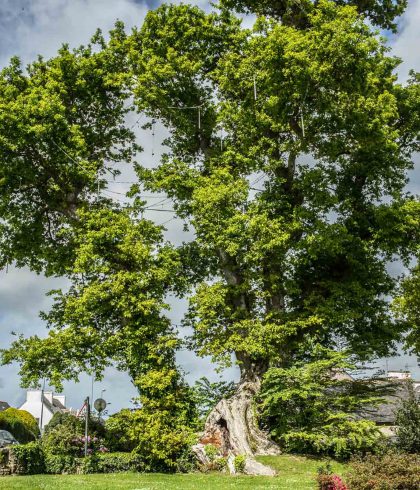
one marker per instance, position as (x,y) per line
(49,396)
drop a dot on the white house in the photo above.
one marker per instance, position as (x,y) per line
(43,405)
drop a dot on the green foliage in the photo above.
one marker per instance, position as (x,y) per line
(119,431)
(186,461)
(407,307)
(57,464)
(407,421)
(120,276)
(61,441)
(309,409)
(296,210)
(97,463)
(119,462)
(89,464)
(239,463)
(20,423)
(64,419)
(390,472)
(211,451)
(208,394)
(61,122)
(163,427)
(64,436)
(161,431)
(29,458)
(296,14)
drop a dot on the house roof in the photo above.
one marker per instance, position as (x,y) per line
(58,404)
(4,406)
(385,412)
(55,406)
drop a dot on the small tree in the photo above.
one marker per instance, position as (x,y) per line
(312,408)
(408,422)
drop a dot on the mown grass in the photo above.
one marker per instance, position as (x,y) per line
(294,473)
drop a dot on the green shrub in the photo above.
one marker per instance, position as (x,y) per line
(221,463)
(89,464)
(308,410)
(187,461)
(60,440)
(118,427)
(408,422)
(67,420)
(211,451)
(239,463)
(96,463)
(67,438)
(391,471)
(29,458)
(56,464)
(20,423)
(339,437)
(119,462)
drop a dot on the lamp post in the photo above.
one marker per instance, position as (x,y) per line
(87,424)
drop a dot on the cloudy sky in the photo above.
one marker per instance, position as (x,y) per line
(32,27)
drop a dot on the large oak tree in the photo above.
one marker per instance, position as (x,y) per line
(288,151)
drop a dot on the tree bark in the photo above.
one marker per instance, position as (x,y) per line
(233,428)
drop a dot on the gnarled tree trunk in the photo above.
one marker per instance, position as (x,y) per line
(232,427)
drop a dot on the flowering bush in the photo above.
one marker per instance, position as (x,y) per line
(392,471)
(328,481)
(331,482)
(94,444)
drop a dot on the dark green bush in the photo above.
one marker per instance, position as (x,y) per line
(56,464)
(64,435)
(119,462)
(187,462)
(307,410)
(29,457)
(118,427)
(20,423)
(64,419)
(392,471)
(89,464)
(408,422)
(95,463)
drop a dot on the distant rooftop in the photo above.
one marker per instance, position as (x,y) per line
(399,374)
(4,406)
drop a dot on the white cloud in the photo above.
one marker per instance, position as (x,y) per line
(32,27)
(406,44)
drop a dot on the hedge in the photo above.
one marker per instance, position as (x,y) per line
(20,423)
(392,471)
(32,459)
(29,458)
(97,463)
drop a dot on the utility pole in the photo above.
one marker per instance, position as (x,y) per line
(42,407)
(87,424)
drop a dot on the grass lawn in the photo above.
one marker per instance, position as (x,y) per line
(295,473)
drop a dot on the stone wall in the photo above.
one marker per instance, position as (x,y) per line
(8,463)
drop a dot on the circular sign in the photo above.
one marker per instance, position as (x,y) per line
(100,404)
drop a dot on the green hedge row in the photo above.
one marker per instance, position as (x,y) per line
(31,459)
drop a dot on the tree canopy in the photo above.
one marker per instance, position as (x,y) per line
(287,156)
